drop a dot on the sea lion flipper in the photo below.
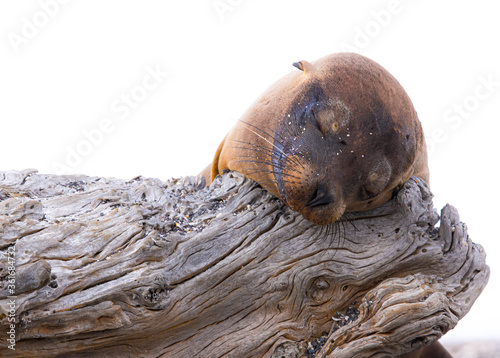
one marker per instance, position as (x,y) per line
(207,174)
(215,163)
(212,170)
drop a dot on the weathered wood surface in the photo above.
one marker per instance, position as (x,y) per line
(145,268)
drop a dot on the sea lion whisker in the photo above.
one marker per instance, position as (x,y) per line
(258,150)
(336,228)
(271,182)
(322,233)
(272,144)
(289,175)
(265,170)
(262,137)
(343,223)
(331,233)
(348,217)
(262,161)
(326,229)
(267,181)
(268,152)
(341,234)
(341,226)
(263,148)
(256,159)
(267,163)
(352,219)
(272,172)
(276,137)
(258,162)
(250,171)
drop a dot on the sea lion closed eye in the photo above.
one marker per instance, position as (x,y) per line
(338,134)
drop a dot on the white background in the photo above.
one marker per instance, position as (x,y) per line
(67,67)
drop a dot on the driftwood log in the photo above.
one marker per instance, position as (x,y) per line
(145,268)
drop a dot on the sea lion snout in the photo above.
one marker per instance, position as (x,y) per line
(324,205)
(307,188)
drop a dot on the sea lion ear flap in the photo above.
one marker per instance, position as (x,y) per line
(304,66)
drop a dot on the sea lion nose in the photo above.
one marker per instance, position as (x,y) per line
(320,197)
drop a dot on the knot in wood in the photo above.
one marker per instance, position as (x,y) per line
(321,283)
(318,288)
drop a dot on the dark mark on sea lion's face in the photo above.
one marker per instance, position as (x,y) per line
(337,137)
(329,158)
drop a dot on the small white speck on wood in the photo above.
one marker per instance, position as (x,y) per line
(145,268)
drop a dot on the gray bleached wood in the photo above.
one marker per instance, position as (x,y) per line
(108,267)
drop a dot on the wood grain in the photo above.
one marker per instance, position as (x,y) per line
(145,268)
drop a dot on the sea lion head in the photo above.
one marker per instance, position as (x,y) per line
(339,134)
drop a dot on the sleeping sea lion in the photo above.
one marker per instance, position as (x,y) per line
(337,135)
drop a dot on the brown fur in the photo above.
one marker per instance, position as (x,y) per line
(339,134)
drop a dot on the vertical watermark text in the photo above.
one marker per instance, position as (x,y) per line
(10,303)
